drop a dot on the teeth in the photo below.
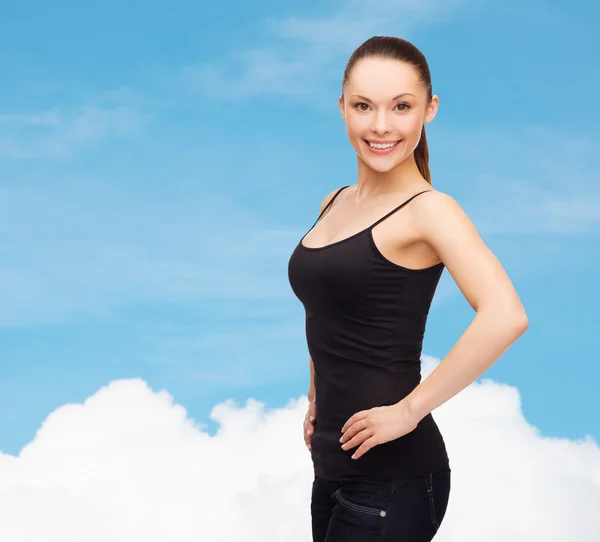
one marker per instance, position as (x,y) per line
(382,146)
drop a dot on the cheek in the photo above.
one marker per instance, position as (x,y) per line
(407,126)
(415,126)
(357,126)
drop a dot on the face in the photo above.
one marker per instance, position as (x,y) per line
(374,111)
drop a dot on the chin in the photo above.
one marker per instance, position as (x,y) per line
(382,169)
(380,166)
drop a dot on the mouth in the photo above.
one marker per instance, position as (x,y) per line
(385,150)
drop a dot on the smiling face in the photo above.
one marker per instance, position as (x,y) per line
(385,102)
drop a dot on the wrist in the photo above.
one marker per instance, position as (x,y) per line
(409,411)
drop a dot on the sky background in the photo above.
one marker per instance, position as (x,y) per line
(159,163)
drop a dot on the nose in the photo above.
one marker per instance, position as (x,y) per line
(381,123)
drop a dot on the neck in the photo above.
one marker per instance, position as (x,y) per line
(402,179)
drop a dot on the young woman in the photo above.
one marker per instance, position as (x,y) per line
(366,275)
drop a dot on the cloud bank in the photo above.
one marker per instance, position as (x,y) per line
(130,464)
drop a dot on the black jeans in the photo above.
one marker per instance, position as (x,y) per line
(409,509)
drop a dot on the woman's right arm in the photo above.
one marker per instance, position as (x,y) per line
(311,385)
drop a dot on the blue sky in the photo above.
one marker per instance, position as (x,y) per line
(158,164)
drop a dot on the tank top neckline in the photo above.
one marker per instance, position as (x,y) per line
(368,229)
(335,242)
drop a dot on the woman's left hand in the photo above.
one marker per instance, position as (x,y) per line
(376,426)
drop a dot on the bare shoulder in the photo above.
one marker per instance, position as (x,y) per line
(327,199)
(440,221)
(434,201)
(435,210)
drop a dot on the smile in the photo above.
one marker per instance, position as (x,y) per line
(381,148)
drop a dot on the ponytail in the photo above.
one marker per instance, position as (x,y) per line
(422,156)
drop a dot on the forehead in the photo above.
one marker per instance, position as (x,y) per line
(378,78)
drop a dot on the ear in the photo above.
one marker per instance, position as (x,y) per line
(341,105)
(432,109)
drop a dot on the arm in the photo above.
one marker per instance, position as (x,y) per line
(311,386)
(500,318)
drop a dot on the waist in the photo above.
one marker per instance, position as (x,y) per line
(384,343)
(339,395)
(419,452)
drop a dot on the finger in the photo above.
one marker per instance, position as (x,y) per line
(353,430)
(354,418)
(364,448)
(358,439)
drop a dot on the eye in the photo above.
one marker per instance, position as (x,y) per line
(358,105)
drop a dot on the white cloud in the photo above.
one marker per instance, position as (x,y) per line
(56,134)
(263,70)
(356,20)
(128,464)
(46,118)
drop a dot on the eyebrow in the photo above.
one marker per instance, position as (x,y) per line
(394,98)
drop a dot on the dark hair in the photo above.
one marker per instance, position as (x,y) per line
(405,51)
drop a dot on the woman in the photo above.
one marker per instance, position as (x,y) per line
(366,275)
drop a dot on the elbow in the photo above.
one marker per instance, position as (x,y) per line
(513,321)
(521,323)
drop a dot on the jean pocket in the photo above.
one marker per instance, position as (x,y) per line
(365,496)
(437,485)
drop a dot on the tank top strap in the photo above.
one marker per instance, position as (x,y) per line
(328,204)
(399,207)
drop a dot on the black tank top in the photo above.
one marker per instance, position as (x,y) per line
(365,321)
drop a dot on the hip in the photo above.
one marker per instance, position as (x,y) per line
(373,510)
(421,451)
